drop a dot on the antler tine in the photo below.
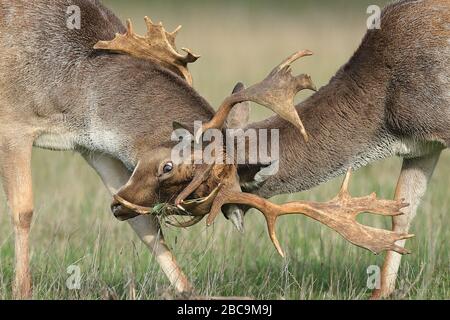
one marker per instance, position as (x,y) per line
(276,92)
(344,193)
(270,210)
(175,32)
(290,60)
(170,38)
(338,214)
(130,30)
(158,45)
(141,210)
(136,208)
(190,57)
(201,175)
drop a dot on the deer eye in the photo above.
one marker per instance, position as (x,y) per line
(168,167)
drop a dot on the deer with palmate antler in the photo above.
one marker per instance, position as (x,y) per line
(390,99)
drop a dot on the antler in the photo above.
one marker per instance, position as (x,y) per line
(276,92)
(339,214)
(158,45)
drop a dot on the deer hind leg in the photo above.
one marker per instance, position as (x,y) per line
(411,186)
(15,171)
(115,175)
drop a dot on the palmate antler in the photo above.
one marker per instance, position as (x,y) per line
(338,214)
(277,92)
(158,45)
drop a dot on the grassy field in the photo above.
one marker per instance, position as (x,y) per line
(238,42)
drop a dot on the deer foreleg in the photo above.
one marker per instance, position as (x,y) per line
(411,186)
(15,171)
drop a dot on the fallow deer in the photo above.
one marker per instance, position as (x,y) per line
(104,92)
(391,99)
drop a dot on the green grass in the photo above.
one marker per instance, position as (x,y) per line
(73,224)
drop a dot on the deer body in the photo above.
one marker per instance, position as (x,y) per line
(391,99)
(57,92)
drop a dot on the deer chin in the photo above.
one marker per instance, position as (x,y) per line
(193,207)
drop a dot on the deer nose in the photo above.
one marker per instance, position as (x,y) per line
(116,207)
(122,213)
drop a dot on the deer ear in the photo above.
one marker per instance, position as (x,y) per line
(240,115)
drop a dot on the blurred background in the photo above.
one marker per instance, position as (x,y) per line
(238,41)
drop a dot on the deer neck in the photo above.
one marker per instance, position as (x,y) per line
(345,122)
(136,121)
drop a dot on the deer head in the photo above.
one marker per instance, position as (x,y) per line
(156,178)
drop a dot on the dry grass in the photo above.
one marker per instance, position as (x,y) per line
(73,224)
